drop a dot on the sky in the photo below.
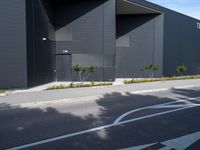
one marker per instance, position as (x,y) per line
(188,7)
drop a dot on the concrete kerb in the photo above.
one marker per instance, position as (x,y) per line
(96,97)
(48,85)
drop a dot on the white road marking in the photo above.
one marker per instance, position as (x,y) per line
(163,105)
(150,91)
(180,143)
(175,106)
(116,123)
(150,116)
(139,147)
(139,109)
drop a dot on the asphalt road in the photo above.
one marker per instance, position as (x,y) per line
(167,120)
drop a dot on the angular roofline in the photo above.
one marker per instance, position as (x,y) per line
(160,8)
(149,8)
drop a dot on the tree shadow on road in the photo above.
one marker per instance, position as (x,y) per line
(26,125)
(187,92)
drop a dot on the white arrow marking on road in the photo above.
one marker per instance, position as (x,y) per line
(139,147)
(180,143)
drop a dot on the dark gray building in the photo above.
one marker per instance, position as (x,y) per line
(40,40)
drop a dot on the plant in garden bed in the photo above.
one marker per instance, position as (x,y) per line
(151,69)
(181,69)
(2,90)
(83,71)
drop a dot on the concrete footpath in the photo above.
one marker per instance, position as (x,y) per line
(77,93)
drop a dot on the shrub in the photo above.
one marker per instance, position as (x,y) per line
(150,69)
(2,91)
(181,69)
(83,71)
(71,85)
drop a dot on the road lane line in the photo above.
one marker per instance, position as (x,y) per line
(163,105)
(153,115)
(139,109)
(96,129)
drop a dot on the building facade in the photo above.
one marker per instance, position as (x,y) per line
(40,40)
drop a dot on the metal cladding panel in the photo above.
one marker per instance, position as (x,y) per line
(144,47)
(172,44)
(181,43)
(88,59)
(158,43)
(97,76)
(109,27)
(88,34)
(109,74)
(13,44)
(86,26)
(41,45)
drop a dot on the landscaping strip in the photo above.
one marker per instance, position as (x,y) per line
(72,85)
(160,79)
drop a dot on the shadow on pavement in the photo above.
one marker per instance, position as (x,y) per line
(21,126)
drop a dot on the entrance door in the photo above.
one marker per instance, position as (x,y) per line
(63,67)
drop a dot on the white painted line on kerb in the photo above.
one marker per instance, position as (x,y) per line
(104,127)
